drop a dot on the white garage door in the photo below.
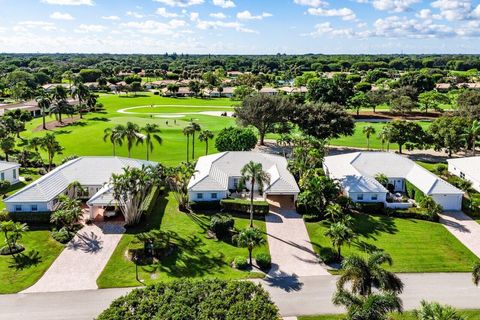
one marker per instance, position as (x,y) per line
(451,202)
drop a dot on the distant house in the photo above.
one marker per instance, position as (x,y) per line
(234,74)
(93,173)
(293,90)
(9,171)
(466,168)
(218,175)
(269,91)
(443,87)
(356,172)
(227,92)
(182,92)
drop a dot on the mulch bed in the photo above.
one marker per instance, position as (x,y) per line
(56,124)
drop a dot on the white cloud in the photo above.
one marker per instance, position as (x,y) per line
(453,9)
(135,14)
(218,15)
(113,18)
(155,27)
(426,14)
(205,25)
(397,27)
(164,13)
(224,3)
(344,13)
(247,15)
(180,3)
(70,2)
(61,16)
(194,16)
(90,28)
(393,5)
(23,26)
(311,3)
(476,12)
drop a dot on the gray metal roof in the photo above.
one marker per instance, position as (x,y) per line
(88,171)
(4,165)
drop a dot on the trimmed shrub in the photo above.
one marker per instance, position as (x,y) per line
(312,218)
(471,205)
(31,217)
(413,192)
(371,207)
(243,206)
(241,263)
(188,299)
(149,202)
(62,235)
(4,216)
(413,213)
(221,224)
(264,261)
(205,205)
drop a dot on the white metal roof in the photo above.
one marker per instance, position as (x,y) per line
(104,197)
(470,166)
(88,171)
(348,168)
(4,165)
(213,171)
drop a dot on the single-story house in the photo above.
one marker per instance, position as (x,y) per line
(218,175)
(466,168)
(356,172)
(9,171)
(269,91)
(93,174)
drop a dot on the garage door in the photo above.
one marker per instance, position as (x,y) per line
(448,202)
(281,201)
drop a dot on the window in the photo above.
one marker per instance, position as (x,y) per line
(18,207)
(235,183)
(359,197)
(34,207)
(213,196)
(374,197)
(14,174)
(199,196)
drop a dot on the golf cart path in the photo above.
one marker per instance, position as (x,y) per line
(290,248)
(81,262)
(464,228)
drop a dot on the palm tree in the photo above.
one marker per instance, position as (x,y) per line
(52,147)
(339,234)
(91,101)
(472,132)
(436,311)
(205,135)
(187,131)
(74,188)
(195,127)
(44,102)
(13,232)
(132,134)
(253,173)
(249,238)
(81,92)
(178,179)
(476,274)
(34,144)
(371,307)
(59,97)
(115,136)
(7,144)
(151,133)
(368,131)
(363,274)
(384,137)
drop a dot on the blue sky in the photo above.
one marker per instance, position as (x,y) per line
(240,26)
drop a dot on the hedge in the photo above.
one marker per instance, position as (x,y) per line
(150,201)
(31,217)
(371,207)
(189,299)
(240,205)
(413,192)
(467,205)
(205,205)
(413,213)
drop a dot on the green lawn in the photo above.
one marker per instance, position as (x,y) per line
(41,251)
(197,256)
(469,314)
(359,140)
(415,245)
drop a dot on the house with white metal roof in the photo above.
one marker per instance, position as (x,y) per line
(92,173)
(218,175)
(467,169)
(9,171)
(356,173)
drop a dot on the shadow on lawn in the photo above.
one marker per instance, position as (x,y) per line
(25,260)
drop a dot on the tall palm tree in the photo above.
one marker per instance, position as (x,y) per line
(44,101)
(363,274)
(371,307)
(81,92)
(187,131)
(205,135)
(74,188)
(34,144)
(91,101)
(436,311)
(368,131)
(151,132)
(132,135)
(472,133)
(59,97)
(340,234)
(52,147)
(195,127)
(249,238)
(253,173)
(384,137)
(115,136)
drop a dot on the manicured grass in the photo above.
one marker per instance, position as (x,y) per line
(415,245)
(41,251)
(359,140)
(469,314)
(196,256)
(430,166)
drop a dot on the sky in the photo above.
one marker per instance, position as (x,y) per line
(240,26)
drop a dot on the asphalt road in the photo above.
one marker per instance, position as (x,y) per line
(294,296)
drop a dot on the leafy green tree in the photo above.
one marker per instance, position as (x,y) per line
(337,90)
(151,132)
(249,238)
(436,311)
(205,136)
(402,105)
(67,214)
(52,147)
(253,174)
(368,131)
(382,179)
(468,103)
(7,144)
(241,92)
(235,139)
(358,101)
(317,191)
(135,87)
(432,100)
(446,132)
(471,135)
(406,133)
(173,88)
(307,154)
(340,234)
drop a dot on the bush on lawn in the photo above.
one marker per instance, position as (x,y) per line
(264,261)
(221,224)
(4,216)
(241,263)
(413,192)
(413,213)
(187,299)
(471,205)
(243,206)
(62,235)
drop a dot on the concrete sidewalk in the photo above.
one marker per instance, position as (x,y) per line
(81,262)
(464,229)
(290,247)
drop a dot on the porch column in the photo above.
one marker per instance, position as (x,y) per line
(90,212)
